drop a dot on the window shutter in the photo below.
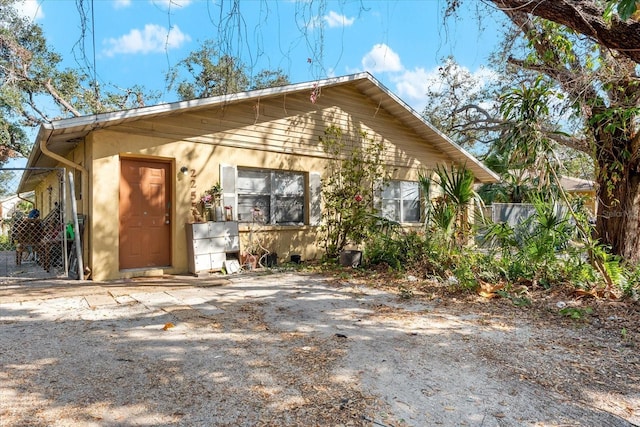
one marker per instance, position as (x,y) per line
(315,196)
(228,174)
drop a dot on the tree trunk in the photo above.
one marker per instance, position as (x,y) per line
(618,195)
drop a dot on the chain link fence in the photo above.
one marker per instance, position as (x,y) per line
(32,232)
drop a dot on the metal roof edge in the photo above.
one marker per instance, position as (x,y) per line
(102,120)
(134,113)
(410,109)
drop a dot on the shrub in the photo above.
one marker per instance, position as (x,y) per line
(355,173)
(395,247)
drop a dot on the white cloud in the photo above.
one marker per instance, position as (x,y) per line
(166,4)
(334,19)
(30,9)
(153,39)
(121,4)
(486,76)
(381,59)
(314,22)
(412,86)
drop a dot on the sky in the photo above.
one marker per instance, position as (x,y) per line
(135,42)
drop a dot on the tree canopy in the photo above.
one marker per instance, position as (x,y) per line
(619,31)
(559,88)
(34,88)
(205,72)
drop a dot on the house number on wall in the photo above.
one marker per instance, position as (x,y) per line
(192,185)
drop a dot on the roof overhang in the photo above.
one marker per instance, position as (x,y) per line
(62,136)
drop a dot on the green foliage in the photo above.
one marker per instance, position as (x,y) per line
(553,247)
(541,251)
(531,249)
(269,78)
(576,313)
(210,74)
(528,144)
(501,235)
(463,271)
(394,247)
(353,175)
(632,288)
(513,187)
(517,300)
(456,185)
(447,198)
(5,242)
(443,217)
(624,8)
(612,265)
(565,90)
(32,75)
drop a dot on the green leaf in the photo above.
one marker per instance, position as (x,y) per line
(626,8)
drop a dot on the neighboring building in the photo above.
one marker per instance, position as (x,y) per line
(138,171)
(10,207)
(582,188)
(515,213)
(11,204)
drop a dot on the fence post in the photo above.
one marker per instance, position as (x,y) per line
(76,227)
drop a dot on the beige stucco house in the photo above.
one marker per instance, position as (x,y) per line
(139,172)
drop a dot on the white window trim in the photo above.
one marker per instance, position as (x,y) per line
(401,201)
(273,197)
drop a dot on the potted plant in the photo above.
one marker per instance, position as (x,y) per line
(210,201)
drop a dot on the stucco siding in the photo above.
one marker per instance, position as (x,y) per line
(273,133)
(270,129)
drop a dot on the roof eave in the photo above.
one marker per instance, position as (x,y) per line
(104,120)
(482,173)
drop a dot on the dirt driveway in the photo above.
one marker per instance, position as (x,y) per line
(291,349)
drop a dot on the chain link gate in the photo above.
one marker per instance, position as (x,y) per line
(33,241)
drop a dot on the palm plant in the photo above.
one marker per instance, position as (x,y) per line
(447,199)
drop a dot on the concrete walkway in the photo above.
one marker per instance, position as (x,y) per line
(20,289)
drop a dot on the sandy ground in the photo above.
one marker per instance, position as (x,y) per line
(291,349)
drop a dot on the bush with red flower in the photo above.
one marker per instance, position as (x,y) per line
(352,178)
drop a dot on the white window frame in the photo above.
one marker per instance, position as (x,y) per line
(273,196)
(403,195)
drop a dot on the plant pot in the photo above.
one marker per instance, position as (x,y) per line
(271,260)
(249,261)
(218,214)
(350,258)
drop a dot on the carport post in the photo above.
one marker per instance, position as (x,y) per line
(76,227)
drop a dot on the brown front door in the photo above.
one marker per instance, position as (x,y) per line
(145,214)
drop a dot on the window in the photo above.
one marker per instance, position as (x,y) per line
(270,197)
(401,201)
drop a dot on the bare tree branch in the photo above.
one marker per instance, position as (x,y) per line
(579,144)
(489,123)
(474,107)
(59,99)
